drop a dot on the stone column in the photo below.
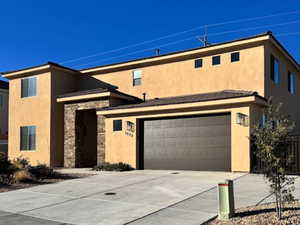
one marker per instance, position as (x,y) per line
(69,138)
(100,139)
(73,151)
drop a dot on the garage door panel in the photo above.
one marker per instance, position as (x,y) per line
(192,143)
(189,141)
(188,132)
(188,122)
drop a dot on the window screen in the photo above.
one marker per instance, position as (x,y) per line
(275,70)
(235,56)
(137,77)
(216,60)
(28,138)
(198,63)
(117,125)
(28,86)
(291,83)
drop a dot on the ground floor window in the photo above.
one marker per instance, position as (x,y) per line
(28,138)
(117,125)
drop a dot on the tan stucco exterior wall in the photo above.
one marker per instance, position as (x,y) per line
(61,82)
(122,146)
(4,115)
(160,79)
(182,78)
(30,111)
(280,92)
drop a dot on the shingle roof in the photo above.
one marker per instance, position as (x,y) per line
(225,94)
(94,91)
(4,84)
(32,67)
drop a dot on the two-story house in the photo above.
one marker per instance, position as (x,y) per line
(3,115)
(187,110)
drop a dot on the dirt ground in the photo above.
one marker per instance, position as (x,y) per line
(263,215)
(59,178)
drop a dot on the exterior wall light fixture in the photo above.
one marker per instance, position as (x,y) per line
(130,126)
(242,119)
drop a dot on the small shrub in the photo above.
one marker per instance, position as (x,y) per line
(23,176)
(20,163)
(6,167)
(6,170)
(41,171)
(120,167)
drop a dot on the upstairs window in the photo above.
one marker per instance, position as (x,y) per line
(28,138)
(216,60)
(235,57)
(137,77)
(28,87)
(275,70)
(198,63)
(291,83)
(117,125)
(263,121)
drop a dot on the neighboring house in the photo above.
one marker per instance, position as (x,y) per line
(3,115)
(199,107)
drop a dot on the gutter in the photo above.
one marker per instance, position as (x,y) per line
(184,106)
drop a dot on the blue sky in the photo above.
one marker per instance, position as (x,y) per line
(34,32)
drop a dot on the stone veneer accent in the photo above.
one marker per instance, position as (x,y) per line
(71,150)
(100,139)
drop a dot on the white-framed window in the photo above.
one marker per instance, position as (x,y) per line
(28,138)
(235,56)
(216,60)
(263,120)
(275,70)
(198,63)
(137,77)
(291,83)
(28,87)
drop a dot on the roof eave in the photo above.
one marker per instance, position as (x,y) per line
(31,70)
(277,44)
(94,96)
(256,99)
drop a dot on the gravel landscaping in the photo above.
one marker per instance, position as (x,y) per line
(263,215)
(27,184)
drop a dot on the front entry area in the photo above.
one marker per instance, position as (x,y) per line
(83,134)
(86,138)
(200,143)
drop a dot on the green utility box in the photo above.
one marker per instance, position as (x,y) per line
(226,200)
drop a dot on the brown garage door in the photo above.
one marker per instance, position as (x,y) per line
(189,143)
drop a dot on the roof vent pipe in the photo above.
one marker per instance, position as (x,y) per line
(157,51)
(144,97)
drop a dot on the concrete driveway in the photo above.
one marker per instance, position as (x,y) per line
(137,197)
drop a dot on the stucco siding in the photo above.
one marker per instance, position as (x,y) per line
(31,111)
(182,78)
(280,92)
(61,82)
(4,114)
